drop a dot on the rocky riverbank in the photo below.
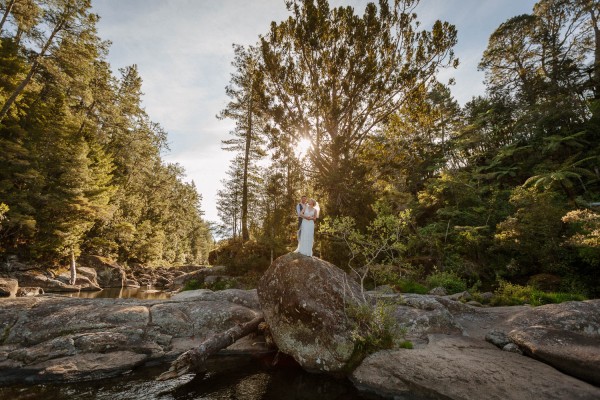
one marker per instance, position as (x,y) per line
(95,273)
(460,351)
(56,338)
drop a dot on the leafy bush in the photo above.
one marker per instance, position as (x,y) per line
(448,280)
(375,329)
(509,294)
(403,282)
(410,286)
(192,284)
(240,257)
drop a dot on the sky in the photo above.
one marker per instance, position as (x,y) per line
(183,50)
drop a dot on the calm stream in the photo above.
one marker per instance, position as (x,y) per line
(231,378)
(123,293)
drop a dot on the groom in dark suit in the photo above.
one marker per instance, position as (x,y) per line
(299,207)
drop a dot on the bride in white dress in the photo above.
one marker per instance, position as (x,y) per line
(307,229)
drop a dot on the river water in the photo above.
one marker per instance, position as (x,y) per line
(230,378)
(123,293)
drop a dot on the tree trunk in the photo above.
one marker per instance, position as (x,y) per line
(245,233)
(31,72)
(73,268)
(596,68)
(9,7)
(193,360)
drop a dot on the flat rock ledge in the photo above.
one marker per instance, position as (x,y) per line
(57,338)
(455,367)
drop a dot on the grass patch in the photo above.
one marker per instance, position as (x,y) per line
(510,294)
(221,284)
(192,284)
(409,286)
(448,280)
(374,329)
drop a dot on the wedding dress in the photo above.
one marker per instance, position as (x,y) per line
(307,233)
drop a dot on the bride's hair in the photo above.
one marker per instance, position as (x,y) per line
(316,206)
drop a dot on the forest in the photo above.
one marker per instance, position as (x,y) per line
(413,186)
(81,168)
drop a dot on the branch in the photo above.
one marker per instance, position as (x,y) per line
(192,361)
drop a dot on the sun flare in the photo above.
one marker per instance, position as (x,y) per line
(302,147)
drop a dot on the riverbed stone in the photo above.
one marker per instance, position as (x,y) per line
(109,273)
(246,298)
(198,318)
(8,287)
(497,338)
(573,353)
(41,279)
(304,300)
(29,291)
(459,367)
(82,281)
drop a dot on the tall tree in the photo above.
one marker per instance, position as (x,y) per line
(245,108)
(335,76)
(61,18)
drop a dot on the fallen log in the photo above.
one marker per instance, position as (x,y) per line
(193,360)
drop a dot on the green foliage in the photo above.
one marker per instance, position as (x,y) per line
(81,160)
(402,281)
(318,60)
(192,284)
(532,234)
(381,243)
(509,294)
(374,328)
(241,257)
(219,284)
(448,280)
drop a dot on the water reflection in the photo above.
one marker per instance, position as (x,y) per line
(236,379)
(124,293)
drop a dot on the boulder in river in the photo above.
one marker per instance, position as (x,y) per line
(304,301)
(109,273)
(25,291)
(8,287)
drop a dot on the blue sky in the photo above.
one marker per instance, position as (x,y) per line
(183,49)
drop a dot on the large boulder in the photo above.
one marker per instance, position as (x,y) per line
(8,287)
(566,336)
(304,300)
(575,354)
(85,283)
(56,338)
(456,367)
(421,315)
(109,273)
(45,281)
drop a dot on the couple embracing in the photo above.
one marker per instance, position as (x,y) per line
(308,212)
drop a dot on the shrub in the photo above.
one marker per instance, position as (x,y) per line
(192,284)
(390,275)
(410,286)
(374,329)
(240,257)
(221,284)
(448,280)
(509,294)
